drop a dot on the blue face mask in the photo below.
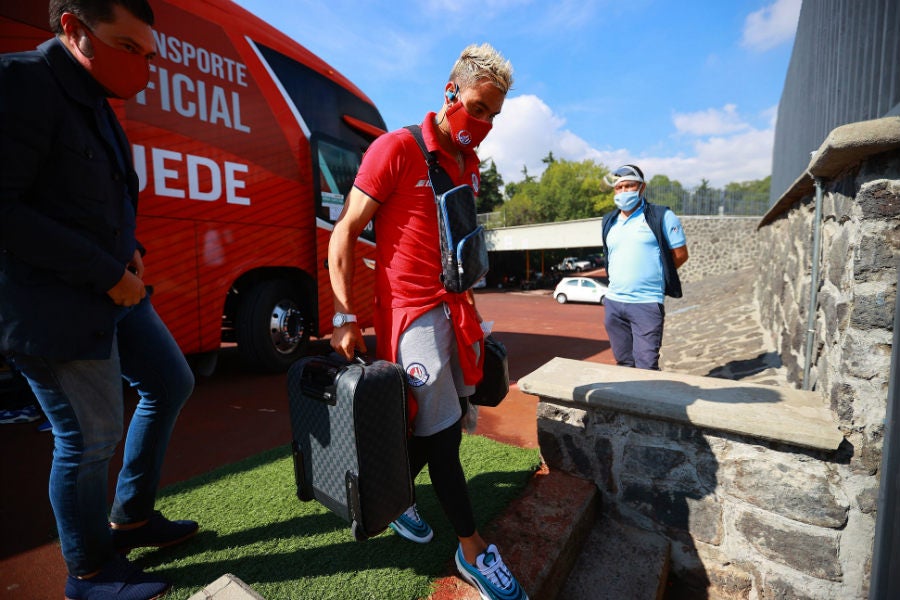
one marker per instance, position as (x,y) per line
(627,201)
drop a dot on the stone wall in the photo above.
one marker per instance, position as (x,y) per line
(718,245)
(860,248)
(745,518)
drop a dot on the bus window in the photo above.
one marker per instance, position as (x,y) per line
(337,166)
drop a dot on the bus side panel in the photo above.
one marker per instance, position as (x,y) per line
(226,249)
(363,284)
(212,149)
(171,269)
(23,26)
(224,163)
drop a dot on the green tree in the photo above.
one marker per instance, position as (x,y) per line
(749,197)
(706,199)
(489,195)
(665,191)
(566,190)
(757,186)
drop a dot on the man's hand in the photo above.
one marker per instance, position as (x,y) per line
(130,290)
(346,339)
(136,265)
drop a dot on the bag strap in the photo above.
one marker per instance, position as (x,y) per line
(440,179)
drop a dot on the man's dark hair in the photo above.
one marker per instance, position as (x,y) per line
(91,12)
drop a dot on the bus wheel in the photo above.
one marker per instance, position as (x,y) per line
(271,326)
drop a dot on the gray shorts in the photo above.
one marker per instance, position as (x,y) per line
(427,350)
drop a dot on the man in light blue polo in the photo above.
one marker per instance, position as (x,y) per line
(645,245)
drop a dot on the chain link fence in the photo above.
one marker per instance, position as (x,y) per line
(698,201)
(705,201)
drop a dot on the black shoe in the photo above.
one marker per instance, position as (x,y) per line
(156,532)
(118,580)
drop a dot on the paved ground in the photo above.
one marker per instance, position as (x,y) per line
(234,414)
(714,330)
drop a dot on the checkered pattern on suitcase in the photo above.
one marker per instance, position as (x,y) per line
(385,483)
(362,430)
(324,436)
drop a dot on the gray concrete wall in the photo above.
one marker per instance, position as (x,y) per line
(845,67)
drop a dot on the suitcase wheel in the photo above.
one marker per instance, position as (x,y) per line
(358,533)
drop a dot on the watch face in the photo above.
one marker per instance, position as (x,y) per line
(341,319)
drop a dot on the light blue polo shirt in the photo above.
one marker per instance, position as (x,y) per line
(634,263)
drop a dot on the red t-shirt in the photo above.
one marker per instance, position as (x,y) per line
(407,249)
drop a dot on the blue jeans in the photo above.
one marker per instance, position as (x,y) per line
(83,400)
(635,332)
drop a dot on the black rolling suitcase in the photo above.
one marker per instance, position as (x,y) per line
(349,424)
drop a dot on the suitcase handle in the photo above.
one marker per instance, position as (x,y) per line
(326,394)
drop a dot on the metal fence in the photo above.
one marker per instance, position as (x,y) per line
(710,201)
(696,201)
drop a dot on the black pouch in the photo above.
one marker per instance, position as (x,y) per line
(494,386)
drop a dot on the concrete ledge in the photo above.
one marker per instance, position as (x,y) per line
(771,413)
(844,147)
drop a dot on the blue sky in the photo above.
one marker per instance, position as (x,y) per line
(687,88)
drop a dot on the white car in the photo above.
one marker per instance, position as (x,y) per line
(579,289)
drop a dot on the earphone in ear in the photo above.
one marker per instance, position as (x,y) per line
(451,94)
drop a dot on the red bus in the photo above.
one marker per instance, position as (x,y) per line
(246,145)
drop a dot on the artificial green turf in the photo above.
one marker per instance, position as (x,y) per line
(253,526)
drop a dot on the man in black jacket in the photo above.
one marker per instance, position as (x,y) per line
(75,315)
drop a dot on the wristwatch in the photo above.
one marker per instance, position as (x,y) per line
(341,319)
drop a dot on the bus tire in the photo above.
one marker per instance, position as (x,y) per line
(272,328)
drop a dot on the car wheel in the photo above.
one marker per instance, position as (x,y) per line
(602,300)
(272,327)
(561,298)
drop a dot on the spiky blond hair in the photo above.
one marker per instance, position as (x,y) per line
(479,62)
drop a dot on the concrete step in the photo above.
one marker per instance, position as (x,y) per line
(540,536)
(617,562)
(227,587)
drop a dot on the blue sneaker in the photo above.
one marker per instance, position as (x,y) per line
(26,414)
(119,580)
(490,576)
(411,526)
(157,532)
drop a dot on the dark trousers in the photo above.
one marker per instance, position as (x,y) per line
(635,332)
(441,453)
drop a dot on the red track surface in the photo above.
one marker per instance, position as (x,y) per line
(236,413)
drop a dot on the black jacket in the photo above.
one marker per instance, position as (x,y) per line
(65,237)
(653,213)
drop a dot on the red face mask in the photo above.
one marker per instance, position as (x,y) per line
(466,131)
(121,73)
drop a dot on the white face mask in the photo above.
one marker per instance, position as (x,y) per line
(627,201)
